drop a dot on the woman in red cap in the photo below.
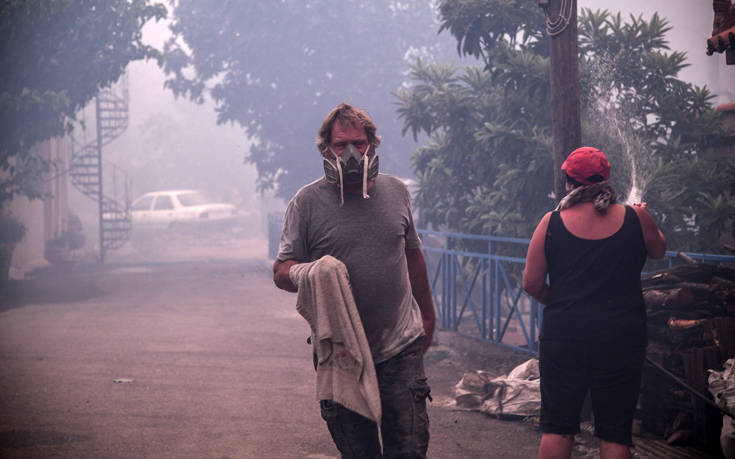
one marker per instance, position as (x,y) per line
(593,336)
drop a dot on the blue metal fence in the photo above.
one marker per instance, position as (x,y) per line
(485,289)
(476,283)
(479,293)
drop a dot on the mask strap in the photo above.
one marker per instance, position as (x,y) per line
(341,185)
(364,177)
(365,167)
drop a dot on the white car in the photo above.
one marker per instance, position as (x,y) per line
(172,207)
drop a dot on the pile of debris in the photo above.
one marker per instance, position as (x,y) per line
(691,329)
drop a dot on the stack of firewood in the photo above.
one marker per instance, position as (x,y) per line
(691,328)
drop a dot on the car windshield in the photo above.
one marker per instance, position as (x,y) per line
(193,199)
(143,203)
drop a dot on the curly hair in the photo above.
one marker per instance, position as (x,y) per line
(346,114)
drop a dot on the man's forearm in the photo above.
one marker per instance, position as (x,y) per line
(421,290)
(422,294)
(428,313)
(420,287)
(281,275)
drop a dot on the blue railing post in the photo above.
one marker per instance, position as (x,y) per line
(484,297)
(445,289)
(497,309)
(448,286)
(490,293)
(453,290)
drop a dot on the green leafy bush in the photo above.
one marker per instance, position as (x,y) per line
(11,230)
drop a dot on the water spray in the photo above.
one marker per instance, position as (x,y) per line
(613,117)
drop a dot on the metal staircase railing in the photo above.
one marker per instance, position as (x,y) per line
(86,167)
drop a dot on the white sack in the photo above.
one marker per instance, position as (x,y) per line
(722,387)
(517,394)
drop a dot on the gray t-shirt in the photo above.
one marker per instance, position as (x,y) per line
(370,237)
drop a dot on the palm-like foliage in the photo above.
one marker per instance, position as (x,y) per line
(488,167)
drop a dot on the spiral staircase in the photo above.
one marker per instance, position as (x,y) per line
(110,188)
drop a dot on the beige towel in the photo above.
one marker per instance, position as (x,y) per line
(346,372)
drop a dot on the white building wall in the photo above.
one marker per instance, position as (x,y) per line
(45,219)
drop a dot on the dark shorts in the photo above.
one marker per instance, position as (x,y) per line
(611,373)
(405,422)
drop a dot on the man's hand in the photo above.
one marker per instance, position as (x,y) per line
(281,277)
(421,291)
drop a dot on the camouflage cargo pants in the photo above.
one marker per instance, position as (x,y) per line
(405,423)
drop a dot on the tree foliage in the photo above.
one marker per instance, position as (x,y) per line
(665,128)
(489,126)
(277,68)
(55,56)
(487,167)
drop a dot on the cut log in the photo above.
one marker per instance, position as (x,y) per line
(681,324)
(724,329)
(697,273)
(676,298)
(691,328)
(686,258)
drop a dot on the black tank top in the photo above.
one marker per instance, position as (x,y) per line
(595,284)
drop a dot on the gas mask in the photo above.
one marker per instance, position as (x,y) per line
(351,168)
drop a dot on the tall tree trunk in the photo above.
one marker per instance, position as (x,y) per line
(565,111)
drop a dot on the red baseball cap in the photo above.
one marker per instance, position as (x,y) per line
(585,162)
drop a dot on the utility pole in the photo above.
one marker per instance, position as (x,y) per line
(566,130)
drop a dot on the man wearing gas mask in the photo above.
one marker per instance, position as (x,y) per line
(363,219)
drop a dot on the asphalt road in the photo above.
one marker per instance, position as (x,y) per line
(194,355)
